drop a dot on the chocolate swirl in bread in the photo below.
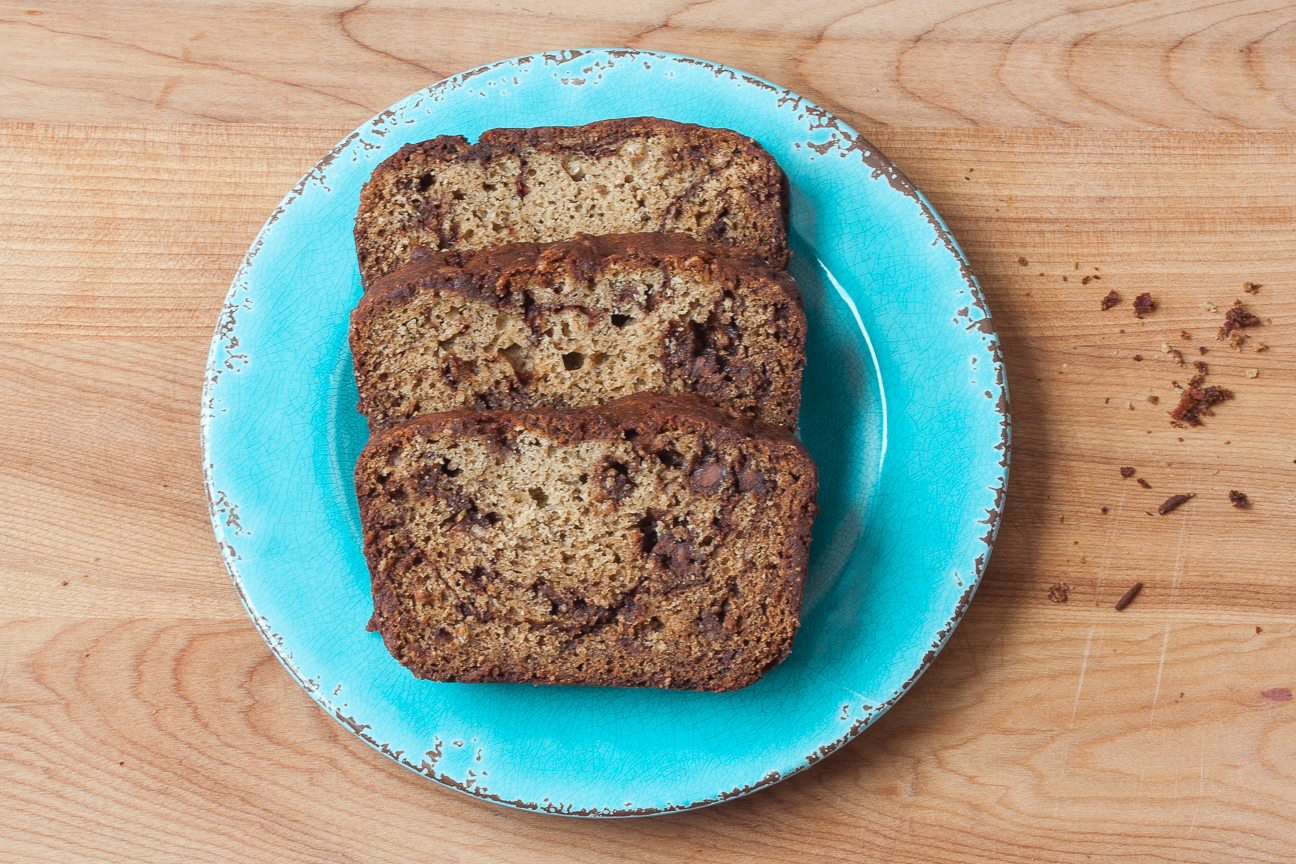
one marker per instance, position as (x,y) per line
(653,541)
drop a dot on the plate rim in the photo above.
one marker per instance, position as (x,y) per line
(881,165)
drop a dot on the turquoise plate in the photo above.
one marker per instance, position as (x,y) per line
(904,408)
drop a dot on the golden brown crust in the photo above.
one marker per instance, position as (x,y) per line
(484,273)
(649,414)
(728,623)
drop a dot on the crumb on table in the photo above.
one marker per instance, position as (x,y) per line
(1128,597)
(1196,403)
(1235,318)
(1174,501)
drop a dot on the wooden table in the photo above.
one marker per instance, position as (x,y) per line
(1127,146)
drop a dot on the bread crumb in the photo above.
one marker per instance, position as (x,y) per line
(1144,483)
(1236,318)
(1184,334)
(1127,473)
(1129,596)
(1178,357)
(1086,280)
(1239,499)
(1208,306)
(1174,501)
(1022,261)
(1258,347)
(1110,300)
(1250,287)
(1058,592)
(1253,373)
(1165,348)
(1197,401)
(1152,400)
(1138,358)
(1143,305)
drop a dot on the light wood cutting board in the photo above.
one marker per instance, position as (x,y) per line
(141,717)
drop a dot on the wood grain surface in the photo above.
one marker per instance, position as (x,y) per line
(143,719)
(1138,64)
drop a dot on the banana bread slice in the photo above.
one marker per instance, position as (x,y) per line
(577,323)
(650,542)
(550,183)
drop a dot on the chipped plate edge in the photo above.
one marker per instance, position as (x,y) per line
(222,357)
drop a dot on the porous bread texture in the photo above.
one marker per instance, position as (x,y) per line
(550,183)
(577,323)
(650,542)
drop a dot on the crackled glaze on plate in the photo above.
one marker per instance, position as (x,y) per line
(904,408)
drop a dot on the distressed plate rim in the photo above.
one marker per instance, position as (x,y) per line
(220,509)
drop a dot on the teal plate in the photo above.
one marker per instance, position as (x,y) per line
(904,408)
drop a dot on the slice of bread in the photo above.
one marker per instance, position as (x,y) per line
(550,183)
(649,542)
(577,323)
